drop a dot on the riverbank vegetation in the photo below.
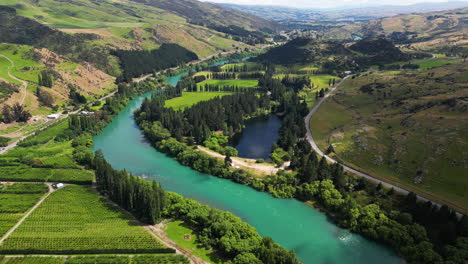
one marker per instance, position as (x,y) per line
(399,222)
(185,237)
(145,200)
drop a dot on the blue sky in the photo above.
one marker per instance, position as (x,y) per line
(324,3)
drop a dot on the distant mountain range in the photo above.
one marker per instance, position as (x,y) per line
(284,14)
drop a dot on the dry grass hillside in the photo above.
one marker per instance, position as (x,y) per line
(424,30)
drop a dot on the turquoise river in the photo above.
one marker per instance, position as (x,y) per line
(291,223)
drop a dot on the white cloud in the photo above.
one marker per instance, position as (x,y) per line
(323,3)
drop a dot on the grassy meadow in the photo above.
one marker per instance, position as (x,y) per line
(226,83)
(402,129)
(190,98)
(183,236)
(429,64)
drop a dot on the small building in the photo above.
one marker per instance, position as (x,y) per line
(53,116)
(347,72)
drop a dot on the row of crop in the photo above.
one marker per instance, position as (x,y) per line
(43,136)
(17,203)
(106,259)
(32,260)
(23,188)
(7,221)
(75,220)
(28,174)
(15,200)
(96,250)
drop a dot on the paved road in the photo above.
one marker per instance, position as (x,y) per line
(346,168)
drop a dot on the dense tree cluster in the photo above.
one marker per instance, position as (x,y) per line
(228,234)
(290,105)
(15,113)
(296,83)
(138,62)
(45,79)
(226,113)
(75,97)
(45,97)
(7,89)
(241,34)
(144,199)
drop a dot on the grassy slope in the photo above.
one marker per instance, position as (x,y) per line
(426,30)
(124,24)
(190,98)
(76,219)
(421,148)
(28,64)
(183,236)
(429,64)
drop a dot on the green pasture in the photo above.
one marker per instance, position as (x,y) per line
(227,83)
(183,236)
(190,98)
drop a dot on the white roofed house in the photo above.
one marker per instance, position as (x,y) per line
(53,116)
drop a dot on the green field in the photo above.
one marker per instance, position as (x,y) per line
(429,64)
(22,56)
(15,200)
(44,159)
(321,81)
(250,66)
(97,259)
(371,132)
(76,220)
(318,81)
(227,83)
(190,98)
(183,236)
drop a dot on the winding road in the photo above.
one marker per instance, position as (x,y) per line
(346,168)
(24,84)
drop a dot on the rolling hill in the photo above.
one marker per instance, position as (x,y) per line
(335,57)
(210,14)
(426,29)
(92,35)
(284,14)
(408,128)
(134,25)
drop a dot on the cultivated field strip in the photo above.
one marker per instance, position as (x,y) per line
(75,220)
